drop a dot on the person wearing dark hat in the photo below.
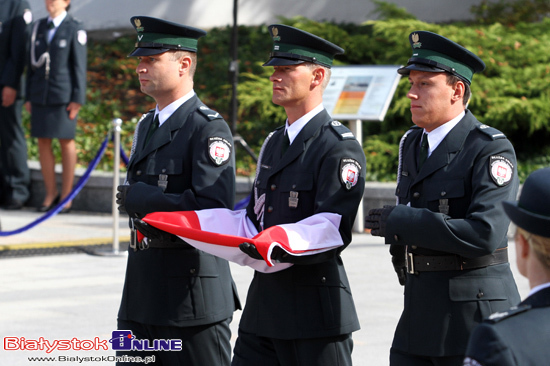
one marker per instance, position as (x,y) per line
(182,159)
(448,231)
(521,334)
(303,315)
(15,20)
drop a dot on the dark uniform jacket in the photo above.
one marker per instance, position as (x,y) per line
(179,286)
(312,298)
(442,307)
(518,337)
(66,80)
(13,42)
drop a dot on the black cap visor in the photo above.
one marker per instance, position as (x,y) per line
(406,70)
(141,51)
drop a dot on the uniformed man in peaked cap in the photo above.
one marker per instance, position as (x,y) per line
(448,231)
(181,160)
(521,335)
(303,315)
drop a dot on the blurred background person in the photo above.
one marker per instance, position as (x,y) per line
(521,335)
(15,20)
(56,89)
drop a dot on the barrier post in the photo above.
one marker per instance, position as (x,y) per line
(117,123)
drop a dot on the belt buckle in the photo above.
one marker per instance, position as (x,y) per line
(144,244)
(410,263)
(133,240)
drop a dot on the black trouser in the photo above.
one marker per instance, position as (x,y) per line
(251,350)
(201,345)
(14,171)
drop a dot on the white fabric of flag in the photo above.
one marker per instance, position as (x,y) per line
(219,231)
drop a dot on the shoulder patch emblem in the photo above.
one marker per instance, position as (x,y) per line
(350,170)
(219,150)
(27,16)
(82,37)
(501,170)
(471,362)
(211,114)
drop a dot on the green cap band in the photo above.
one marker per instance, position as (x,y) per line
(322,57)
(460,68)
(181,42)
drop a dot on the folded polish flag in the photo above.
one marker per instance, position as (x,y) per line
(219,231)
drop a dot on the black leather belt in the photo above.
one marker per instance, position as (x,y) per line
(429,263)
(156,243)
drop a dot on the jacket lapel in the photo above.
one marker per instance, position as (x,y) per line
(299,144)
(447,149)
(164,134)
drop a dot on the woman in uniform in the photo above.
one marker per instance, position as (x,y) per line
(521,335)
(56,89)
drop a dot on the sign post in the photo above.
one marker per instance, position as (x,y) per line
(360,93)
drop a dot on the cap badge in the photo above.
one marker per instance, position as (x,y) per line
(275,32)
(139,28)
(416,38)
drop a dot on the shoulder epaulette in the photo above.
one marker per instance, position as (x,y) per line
(491,132)
(342,131)
(500,316)
(209,113)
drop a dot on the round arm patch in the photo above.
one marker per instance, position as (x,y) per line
(219,150)
(501,170)
(349,172)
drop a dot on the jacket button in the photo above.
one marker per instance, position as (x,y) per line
(138,172)
(414,247)
(273,187)
(416,195)
(163,170)
(294,186)
(396,237)
(480,294)
(443,194)
(270,209)
(192,270)
(323,279)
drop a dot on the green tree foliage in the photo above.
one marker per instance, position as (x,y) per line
(512,94)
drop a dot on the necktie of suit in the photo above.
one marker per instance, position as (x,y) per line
(153,128)
(51,25)
(285,143)
(424,148)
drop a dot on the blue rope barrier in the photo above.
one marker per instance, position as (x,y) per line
(81,182)
(124,157)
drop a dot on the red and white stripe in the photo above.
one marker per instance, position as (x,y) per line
(219,232)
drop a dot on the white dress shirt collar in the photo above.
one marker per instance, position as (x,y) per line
(436,136)
(172,107)
(294,129)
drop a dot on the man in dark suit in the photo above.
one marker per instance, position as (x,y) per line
(520,336)
(448,231)
(303,315)
(15,18)
(181,160)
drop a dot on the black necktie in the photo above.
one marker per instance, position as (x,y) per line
(424,148)
(51,25)
(152,129)
(285,143)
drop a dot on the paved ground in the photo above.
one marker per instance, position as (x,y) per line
(75,293)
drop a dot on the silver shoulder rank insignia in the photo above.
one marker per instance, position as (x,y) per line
(219,150)
(349,172)
(501,170)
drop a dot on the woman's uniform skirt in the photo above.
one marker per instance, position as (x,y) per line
(52,122)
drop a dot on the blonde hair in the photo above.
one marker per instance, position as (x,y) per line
(539,244)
